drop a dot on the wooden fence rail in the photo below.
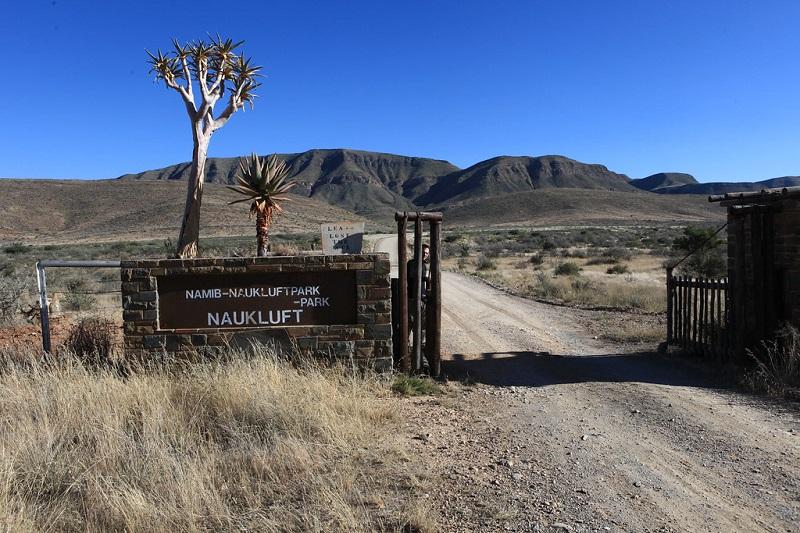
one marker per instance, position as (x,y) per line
(698,314)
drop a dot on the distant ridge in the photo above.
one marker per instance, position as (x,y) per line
(369,183)
(376,184)
(726,187)
(509,175)
(663,180)
(359,181)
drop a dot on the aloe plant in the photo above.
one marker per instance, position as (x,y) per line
(265,183)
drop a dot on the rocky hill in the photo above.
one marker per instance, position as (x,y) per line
(510,175)
(362,182)
(726,187)
(663,180)
(372,183)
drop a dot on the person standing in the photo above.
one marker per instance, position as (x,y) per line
(411,273)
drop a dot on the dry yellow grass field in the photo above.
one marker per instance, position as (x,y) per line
(250,443)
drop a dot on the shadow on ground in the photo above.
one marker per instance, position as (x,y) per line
(539,369)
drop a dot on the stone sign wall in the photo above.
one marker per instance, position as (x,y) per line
(333,305)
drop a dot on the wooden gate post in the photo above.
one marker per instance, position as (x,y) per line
(670,305)
(417,362)
(433,336)
(402,259)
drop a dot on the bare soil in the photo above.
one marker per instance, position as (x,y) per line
(546,427)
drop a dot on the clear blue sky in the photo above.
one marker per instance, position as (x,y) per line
(706,87)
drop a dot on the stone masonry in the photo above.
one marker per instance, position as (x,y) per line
(368,342)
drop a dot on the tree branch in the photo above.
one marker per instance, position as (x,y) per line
(227,113)
(202,74)
(188,75)
(187,97)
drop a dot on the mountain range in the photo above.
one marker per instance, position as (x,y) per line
(374,184)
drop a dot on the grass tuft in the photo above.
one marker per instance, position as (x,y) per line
(415,386)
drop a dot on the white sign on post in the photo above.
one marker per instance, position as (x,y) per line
(342,237)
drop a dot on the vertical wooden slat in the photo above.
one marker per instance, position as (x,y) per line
(679,305)
(402,260)
(670,306)
(417,288)
(694,315)
(433,340)
(712,322)
(756,304)
(704,324)
(685,313)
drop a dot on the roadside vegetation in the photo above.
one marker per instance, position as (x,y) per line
(616,267)
(610,268)
(251,442)
(776,363)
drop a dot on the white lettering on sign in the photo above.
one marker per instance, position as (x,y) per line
(267,317)
(314,302)
(342,237)
(205,294)
(252,292)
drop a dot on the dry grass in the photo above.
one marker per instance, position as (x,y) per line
(244,444)
(777,365)
(634,331)
(642,288)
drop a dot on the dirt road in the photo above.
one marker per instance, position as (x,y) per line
(545,428)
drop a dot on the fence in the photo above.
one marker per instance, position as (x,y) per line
(698,314)
(101,294)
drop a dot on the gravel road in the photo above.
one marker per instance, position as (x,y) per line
(544,428)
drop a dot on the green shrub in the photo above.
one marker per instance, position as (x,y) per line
(536,259)
(485,263)
(708,258)
(618,269)
(15,248)
(567,268)
(415,386)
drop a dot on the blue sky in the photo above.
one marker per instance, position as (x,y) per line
(706,87)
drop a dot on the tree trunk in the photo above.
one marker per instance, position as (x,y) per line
(190,227)
(262,231)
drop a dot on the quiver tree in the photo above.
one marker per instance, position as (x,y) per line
(265,183)
(217,71)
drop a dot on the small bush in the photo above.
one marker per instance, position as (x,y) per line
(284,249)
(15,248)
(547,288)
(618,269)
(92,341)
(536,259)
(618,254)
(485,263)
(777,362)
(463,263)
(11,289)
(415,386)
(567,268)
(77,297)
(548,246)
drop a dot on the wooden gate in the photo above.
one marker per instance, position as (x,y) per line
(698,314)
(430,340)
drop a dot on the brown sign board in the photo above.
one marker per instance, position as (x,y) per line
(256,300)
